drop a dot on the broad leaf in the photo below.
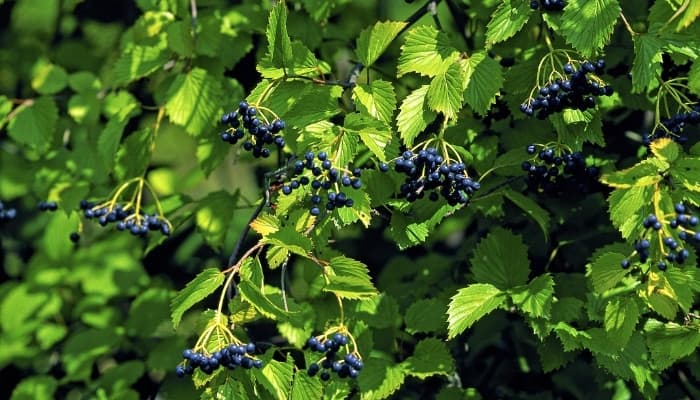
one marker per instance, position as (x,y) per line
(414,115)
(349,279)
(193,101)
(621,315)
(484,79)
(279,46)
(501,260)
(445,91)
(647,61)
(670,342)
(374,40)
(377,99)
(426,51)
(426,315)
(536,297)
(605,271)
(470,304)
(34,123)
(431,357)
(204,284)
(588,24)
(508,19)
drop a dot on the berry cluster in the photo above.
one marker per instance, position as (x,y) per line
(261,134)
(47,206)
(673,252)
(556,172)
(323,178)
(428,171)
(7,213)
(548,5)
(578,91)
(673,127)
(349,366)
(125,219)
(230,357)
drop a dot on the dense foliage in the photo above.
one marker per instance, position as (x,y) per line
(334,199)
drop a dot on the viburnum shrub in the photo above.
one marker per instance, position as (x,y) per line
(349,199)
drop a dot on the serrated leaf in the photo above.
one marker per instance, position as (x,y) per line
(265,224)
(204,284)
(552,355)
(430,357)
(279,46)
(687,172)
(414,115)
(631,363)
(445,91)
(139,61)
(288,238)
(380,378)
(605,272)
(470,304)
(375,134)
(647,61)
(588,24)
(507,20)
(665,149)
(536,297)
(377,99)
(621,315)
(276,377)
(193,101)
(34,123)
(501,259)
(483,81)
(574,135)
(349,279)
(426,51)
(641,174)
(629,207)
(690,14)
(670,342)
(425,316)
(531,208)
(374,40)
(254,295)
(306,387)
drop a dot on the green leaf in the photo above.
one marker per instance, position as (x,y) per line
(19,305)
(425,316)
(629,207)
(279,46)
(665,149)
(193,101)
(588,24)
(288,238)
(38,387)
(375,134)
(139,61)
(484,79)
(507,20)
(694,79)
(374,40)
(380,378)
(669,342)
(632,363)
(48,78)
(276,377)
(605,271)
(690,14)
(254,295)
(81,349)
(349,279)
(377,99)
(552,355)
(34,123)
(445,91)
(214,215)
(641,174)
(306,387)
(431,357)
(204,284)
(536,297)
(414,115)
(470,304)
(426,51)
(576,127)
(537,213)
(621,315)
(687,171)
(647,61)
(501,260)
